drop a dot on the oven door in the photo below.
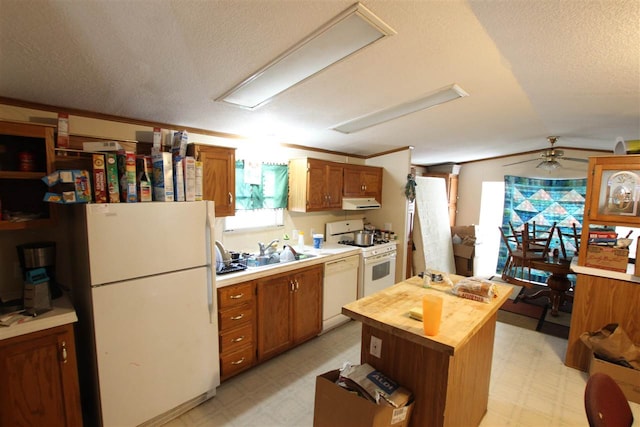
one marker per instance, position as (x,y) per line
(379,272)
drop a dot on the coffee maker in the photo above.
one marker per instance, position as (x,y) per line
(36,257)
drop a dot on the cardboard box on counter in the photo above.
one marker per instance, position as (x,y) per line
(607,258)
(68,186)
(335,407)
(162,177)
(99,179)
(627,378)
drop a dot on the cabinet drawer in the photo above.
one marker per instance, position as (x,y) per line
(236,362)
(236,338)
(235,316)
(235,295)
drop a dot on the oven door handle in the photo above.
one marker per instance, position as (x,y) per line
(378,259)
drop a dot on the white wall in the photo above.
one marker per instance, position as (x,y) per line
(394,203)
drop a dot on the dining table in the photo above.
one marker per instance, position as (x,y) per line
(558,284)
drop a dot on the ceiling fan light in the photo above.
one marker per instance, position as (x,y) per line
(354,29)
(549,165)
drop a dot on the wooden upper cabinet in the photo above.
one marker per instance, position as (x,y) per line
(21,187)
(219,179)
(314,185)
(362,181)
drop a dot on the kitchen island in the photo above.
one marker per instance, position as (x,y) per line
(448,373)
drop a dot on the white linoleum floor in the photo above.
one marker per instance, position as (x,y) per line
(530,385)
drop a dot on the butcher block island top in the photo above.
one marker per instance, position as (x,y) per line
(388,310)
(448,373)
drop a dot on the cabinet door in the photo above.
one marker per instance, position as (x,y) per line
(40,379)
(352,182)
(372,181)
(274,316)
(307,304)
(363,181)
(21,187)
(333,186)
(316,183)
(219,177)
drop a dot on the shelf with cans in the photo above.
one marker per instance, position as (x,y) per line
(26,156)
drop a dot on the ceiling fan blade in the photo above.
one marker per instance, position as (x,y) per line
(574,159)
(524,161)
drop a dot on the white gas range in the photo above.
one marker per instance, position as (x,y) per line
(377,261)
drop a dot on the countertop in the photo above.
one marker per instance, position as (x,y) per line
(608,274)
(388,310)
(328,253)
(63,313)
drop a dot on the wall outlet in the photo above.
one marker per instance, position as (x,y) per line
(375,347)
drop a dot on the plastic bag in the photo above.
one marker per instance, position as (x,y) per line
(613,344)
(475,289)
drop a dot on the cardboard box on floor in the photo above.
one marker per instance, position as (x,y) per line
(627,378)
(464,252)
(336,407)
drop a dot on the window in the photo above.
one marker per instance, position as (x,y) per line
(261,195)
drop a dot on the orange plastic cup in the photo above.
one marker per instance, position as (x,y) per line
(431,314)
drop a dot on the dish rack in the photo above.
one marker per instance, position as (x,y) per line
(235,265)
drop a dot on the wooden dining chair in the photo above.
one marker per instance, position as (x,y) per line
(605,403)
(537,244)
(518,260)
(576,237)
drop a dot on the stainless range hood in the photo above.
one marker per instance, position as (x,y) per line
(357,204)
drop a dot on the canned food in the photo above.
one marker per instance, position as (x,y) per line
(26,161)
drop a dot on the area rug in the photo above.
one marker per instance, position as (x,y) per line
(534,314)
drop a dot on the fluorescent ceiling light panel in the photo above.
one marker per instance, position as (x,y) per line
(438,97)
(349,32)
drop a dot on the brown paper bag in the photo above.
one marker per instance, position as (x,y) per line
(612,343)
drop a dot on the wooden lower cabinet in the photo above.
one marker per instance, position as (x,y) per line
(289,310)
(237,325)
(39,378)
(598,301)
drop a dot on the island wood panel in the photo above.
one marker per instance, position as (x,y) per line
(448,373)
(598,301)
(448,391)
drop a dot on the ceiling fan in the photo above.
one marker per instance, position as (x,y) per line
(549,157)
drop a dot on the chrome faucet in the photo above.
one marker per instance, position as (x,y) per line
(264,248)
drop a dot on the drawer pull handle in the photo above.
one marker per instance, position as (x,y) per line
(240,338)
(64,352)
(238,362)
(236,296)
(238,317)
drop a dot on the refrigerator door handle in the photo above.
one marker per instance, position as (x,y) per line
(211,276)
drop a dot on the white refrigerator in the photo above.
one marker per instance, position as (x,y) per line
(145,296)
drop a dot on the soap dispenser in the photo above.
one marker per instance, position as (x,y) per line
(300,241)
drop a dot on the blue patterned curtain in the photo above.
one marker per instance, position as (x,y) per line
(544,201)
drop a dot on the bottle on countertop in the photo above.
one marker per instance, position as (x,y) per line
(300,241)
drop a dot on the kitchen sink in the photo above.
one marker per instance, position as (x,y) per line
(257,261)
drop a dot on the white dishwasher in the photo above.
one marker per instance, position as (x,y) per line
(340,288)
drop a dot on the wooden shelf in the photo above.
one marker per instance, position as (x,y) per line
(21,175)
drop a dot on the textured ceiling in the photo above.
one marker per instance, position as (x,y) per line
(531,68)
